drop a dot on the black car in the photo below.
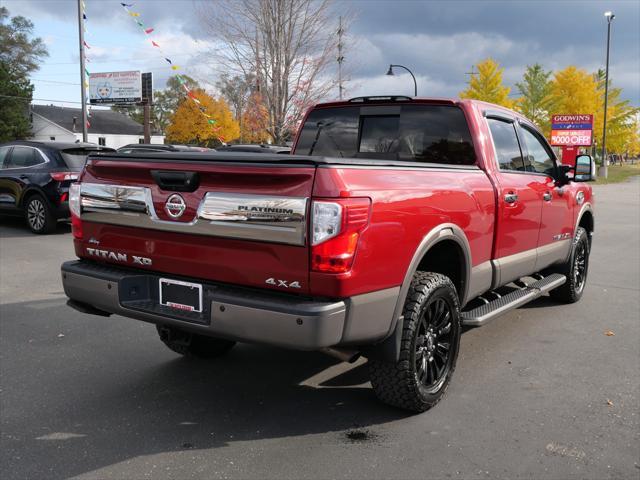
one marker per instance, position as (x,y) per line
(159,147)
(35,179)
(255,149)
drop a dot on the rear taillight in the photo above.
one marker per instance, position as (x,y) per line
(64,176)
(75,208)
(335,231)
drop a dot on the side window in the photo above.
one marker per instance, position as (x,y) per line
(538,158)
(23,157)
(506,145)
(4,151)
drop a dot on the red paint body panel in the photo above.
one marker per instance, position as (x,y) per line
(239,262)
(406,205)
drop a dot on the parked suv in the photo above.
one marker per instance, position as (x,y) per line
(35,179)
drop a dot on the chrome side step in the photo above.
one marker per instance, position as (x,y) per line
(484,313)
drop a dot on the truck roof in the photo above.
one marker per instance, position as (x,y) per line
(402,99)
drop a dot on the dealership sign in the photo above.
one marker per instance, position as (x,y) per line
(571,130)
(115,87)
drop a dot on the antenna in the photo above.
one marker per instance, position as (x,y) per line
(340,59)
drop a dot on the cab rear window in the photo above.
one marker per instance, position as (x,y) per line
(416,133)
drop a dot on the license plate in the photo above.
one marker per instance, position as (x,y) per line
(181,295)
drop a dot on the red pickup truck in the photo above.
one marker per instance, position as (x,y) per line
(394,222)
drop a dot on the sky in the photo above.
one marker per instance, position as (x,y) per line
(438,40)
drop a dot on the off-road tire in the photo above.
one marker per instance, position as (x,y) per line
(571,291)
(193,345)
(38,215)
(397,383)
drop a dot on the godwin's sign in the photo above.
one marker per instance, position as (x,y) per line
(572,130)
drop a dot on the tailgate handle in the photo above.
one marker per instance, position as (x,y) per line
(176,181)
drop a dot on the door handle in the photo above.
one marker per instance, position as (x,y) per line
(547,196)
(511,197)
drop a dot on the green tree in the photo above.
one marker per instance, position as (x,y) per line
(20,55)
(486,85)
(535,101)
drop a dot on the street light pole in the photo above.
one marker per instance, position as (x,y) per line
(610,16)
(83,95)
(415,84)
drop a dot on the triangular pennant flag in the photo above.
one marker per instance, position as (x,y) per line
(87,59)
(174,67)
(190,94)
(148,31)
(221,138)
(84,16)
(87,72)
(88,124)
(154,44)
(140,23)
(86,84)
(212,122)
(85,44)
(170,62)
(127,4)
(196,100)
(134,14)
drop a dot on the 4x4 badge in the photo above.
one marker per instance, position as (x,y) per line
(175,206)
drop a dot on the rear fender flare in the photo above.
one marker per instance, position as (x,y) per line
(389,348)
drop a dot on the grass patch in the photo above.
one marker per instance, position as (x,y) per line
(617,173)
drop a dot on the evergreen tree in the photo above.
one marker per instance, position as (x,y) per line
(19,57)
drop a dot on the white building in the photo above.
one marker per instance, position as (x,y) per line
(109,128)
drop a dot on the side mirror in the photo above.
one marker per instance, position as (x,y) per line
(583,170)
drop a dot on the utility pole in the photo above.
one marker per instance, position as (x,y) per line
(340,58)
(83,80)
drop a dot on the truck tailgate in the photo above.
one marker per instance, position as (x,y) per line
(237,223)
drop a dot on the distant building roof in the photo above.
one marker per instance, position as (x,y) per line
(102,121)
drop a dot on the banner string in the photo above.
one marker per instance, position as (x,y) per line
(135,16)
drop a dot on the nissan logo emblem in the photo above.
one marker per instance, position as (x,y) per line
(175,206)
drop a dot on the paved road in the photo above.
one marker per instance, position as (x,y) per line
(89,397)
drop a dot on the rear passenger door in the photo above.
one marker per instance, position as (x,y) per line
(18,171)
(556,224)
(519,204)
(6,198)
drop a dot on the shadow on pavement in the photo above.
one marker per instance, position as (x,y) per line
(103,395)
(16,227)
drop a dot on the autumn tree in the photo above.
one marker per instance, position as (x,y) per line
(486,85)
(289,46)
(190,125)
(621,116)
(236,90)
(20,55)
(535,100)
(255,120)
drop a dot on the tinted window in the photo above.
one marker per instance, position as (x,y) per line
(538,158)
(506,145)
(3,155)
(418,133)
(75,158)
(23,157)
(336,130)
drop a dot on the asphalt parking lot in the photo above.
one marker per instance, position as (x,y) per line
(541,393)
